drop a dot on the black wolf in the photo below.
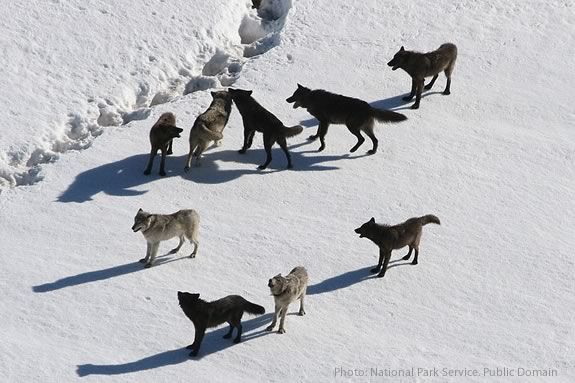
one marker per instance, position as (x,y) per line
(330,108)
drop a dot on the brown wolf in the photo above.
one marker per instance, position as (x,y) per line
(389,238)
(161,136)
(209,126)
(204,315)
(330,108)
(421,65)
(257,118)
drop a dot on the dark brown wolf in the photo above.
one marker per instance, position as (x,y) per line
(204,315)
(257,118)
(161,136)
(420,65)
(389,238)
(330,108)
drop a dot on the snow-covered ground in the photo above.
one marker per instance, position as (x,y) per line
(495,161)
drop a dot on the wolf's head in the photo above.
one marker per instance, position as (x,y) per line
(167,118)
(239,94)
(187,298)
(298,96)
(222,94)
(142,221)
(365,229)
(276,284)
(398,59)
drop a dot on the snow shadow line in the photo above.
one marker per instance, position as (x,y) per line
(213,343)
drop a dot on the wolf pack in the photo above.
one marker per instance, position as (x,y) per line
(328,108)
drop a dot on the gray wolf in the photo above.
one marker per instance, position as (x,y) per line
(160,227)
(389,238)
(420,65)
(161,136)
(209,126)
(204,315)
(257,118)
(330,108)
(286,290)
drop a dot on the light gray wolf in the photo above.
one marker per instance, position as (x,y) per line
(161,227)
(331,108)
(209,126)
(420,65)
(161,136)
(257,118)
(204,315)
(389,238)
(286,290)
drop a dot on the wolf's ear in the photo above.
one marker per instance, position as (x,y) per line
(249,92)
(140,210)
(195,296)
(401,49)
(299,85)
(213,94)
(372,220)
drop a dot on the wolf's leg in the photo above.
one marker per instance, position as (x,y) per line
(356,132)
(248,140)
(153,251)
(148,250)
(163,161)
(199,151)
(428,86)
(368,129)
(174,251)
(199,336)
(238,325)
(380,262)
(384,268)
(151,161)
(408,254)
(416,255)
(196,245)
(170,147)
(229,333)
(321,132)
(418,90)
(301,309)
(412,93)
(447,90)
(283,144)
(193,146)
(274,321)
(281,329)
(268,143)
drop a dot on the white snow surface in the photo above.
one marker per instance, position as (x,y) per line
(83,82)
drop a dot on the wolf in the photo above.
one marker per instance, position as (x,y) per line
(420,65)
(160,227)
(286,290)
(209,126)
(389,238)
(161,136)
(257,118)
(331,108)
(204,315)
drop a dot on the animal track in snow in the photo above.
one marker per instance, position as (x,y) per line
(219,66)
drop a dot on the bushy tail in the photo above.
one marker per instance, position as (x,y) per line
(292,130)
(254,309)
(430,218)
(383,115)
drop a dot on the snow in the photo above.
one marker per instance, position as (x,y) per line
(495,161)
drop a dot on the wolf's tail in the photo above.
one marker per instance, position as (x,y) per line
(430,218)
(290,131)
(214,136)
(254,309)
(383,115)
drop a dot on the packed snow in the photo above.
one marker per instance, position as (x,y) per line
(492,296)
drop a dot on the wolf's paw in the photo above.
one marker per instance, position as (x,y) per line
(312,137)
(374,270)
(186,168)
(242,151)
(290,166)
(415,106)
(227,336)
(193,255)
(301,313)
(380,275)
(236,341)
(270,328)
(194,353)
(407,98)
(446,93)
(371,151)
(148,265)
(427,87)
(321,148)
(162,173)
(169,152)
(262,167)
(414,262)
(281,331)
(143,260)
(190,346)
(147,172)
(406,257)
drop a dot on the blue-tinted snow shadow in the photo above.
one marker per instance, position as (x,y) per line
(213,342)
(341,281)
